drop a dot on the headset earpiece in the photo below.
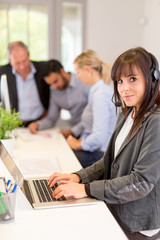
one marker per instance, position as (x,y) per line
(155,68)
(156,74)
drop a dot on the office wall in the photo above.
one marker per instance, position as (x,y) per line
(152,26)
(113,26)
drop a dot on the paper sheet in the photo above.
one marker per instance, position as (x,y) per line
(26,135)
(40,165)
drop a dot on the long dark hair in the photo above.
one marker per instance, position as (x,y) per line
(146,63)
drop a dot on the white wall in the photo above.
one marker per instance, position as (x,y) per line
(152,28)
(113,26)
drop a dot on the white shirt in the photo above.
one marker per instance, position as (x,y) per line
(29,103)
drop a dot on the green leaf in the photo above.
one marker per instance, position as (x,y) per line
(9,120)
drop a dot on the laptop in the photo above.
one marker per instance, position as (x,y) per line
(36,190)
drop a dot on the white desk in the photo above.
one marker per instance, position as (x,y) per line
(82,222)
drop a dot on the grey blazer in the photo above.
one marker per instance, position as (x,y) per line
(130,183)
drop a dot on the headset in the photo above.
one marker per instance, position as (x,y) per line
(155,68)
(117,104)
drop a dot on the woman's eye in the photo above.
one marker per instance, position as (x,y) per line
(119,81)
(133,79)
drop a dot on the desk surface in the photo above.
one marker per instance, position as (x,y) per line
(82,222)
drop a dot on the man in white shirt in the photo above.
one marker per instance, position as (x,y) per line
(28,92)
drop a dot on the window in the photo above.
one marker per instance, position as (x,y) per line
(71,32)
(50,28)
(26,23)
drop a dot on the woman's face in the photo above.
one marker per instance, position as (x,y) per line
(82,74)
(132,88)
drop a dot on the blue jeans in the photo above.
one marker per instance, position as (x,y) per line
(87,158)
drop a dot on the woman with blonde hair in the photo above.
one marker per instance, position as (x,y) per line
(99,116)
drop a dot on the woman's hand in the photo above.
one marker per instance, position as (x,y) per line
(56,177)
(66,132)
(74,143)
(70,189)
(69,185)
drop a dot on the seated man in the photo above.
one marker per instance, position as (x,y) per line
(28,92)
(67,92)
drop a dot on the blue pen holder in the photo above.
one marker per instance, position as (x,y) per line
(7,207)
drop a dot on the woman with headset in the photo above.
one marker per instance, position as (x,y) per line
(127,178)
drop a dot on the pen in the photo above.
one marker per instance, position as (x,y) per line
(14,188)
(8,182)
(8,185)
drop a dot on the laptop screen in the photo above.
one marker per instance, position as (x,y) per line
(5,100)
(10,165)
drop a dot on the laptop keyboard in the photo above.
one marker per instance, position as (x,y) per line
(44,192)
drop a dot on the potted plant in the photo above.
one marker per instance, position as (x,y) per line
(9,120)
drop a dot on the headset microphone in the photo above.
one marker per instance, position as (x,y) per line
(117,104)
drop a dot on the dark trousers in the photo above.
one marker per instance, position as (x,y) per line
(87,158)
(139,236)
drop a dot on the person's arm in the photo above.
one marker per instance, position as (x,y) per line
(101,120)
(33,127)
(66,133)
(92,173)
(74,143)
(71,185)
(52,116)
(70,189)
(144,174)
(56,177)
(75,131)
(78,129)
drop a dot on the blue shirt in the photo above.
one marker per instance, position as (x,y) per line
(98,119)
(74,99)
(29,104)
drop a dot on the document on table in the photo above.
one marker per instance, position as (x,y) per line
(34,153)
(26,135)
(39,166)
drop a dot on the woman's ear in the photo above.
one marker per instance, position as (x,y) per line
(62,71)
